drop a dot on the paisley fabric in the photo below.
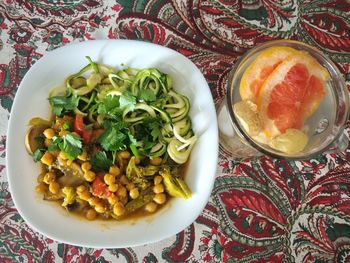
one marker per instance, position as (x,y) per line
(261,210)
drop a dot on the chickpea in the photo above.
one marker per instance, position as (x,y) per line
(41,188)
(85,195)
(49,177)
(49,133)
(109,179)
(86,167)
(156,161)
(151,207)
(100,208)
(54,187)
(40,178)
(83,156)
(69,162)
(118,209)
(124,154)
(159,198)
(47,142)
(89,176)
(81,188)
(114,170)
(134,193)
(113,199)
(113,187)
(91,214)
(157,179)
(62,155)
(130,186)
(93,201)
(63,162)
(124,180)
(159,188)
(47,158)
(122,191)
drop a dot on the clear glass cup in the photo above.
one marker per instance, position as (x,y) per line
(324,128)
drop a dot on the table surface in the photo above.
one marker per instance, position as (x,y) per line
(262,210)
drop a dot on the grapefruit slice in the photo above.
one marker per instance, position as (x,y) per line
(291,93)
(258,71)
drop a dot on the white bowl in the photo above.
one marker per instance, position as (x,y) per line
(31,101)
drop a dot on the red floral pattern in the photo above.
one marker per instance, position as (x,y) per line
(262,210)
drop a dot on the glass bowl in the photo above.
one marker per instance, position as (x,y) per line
(324,128)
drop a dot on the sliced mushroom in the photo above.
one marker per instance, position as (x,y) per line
(32,139)
(73,174)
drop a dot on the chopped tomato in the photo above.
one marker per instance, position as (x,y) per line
(79,127)
(79,124)
(100,188)
(87,134)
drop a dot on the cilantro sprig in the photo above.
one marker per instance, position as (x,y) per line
(63,104)
(70,144)
(109,107)
(149,132)
(38,154)
(127,101)
(100,161)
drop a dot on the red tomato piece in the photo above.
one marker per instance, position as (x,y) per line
(87,134)
(79,127)
(100,188)
(79,124)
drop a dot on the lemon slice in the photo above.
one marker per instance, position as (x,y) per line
(247,113)
(292,141)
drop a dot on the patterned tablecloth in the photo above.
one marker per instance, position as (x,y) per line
(264,210)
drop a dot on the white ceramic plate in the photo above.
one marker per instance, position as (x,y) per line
(31,101)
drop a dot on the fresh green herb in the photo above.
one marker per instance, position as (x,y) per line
(62,104)
(54,145)
(71,145)
(109,107)
(127,101)
(38,154)
(149,130)
(134,150)
(154,127)
(132,138)
(149,133)
(147,145)
(114,137)
(66,126)
(100,162)
(161,101)
(147,95)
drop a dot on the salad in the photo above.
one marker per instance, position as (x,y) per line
(116,145)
